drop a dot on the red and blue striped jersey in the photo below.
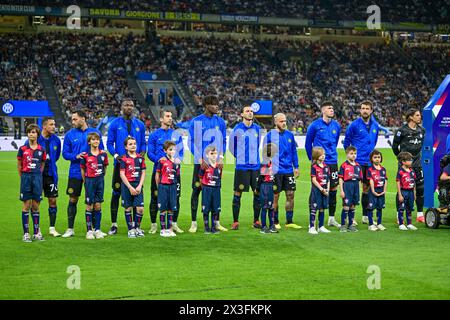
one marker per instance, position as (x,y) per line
(30,159)
(379,177)
(210,177)
(349,172)
(94,165)
(132,167)
(322,174)
(406,178)
(168,171)
(266,173)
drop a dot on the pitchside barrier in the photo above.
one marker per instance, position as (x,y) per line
(436,121)
(9,144)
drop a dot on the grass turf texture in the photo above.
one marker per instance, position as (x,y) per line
(241,264)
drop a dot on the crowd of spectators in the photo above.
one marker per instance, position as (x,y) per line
(19,77)
(90,72)
(429,11)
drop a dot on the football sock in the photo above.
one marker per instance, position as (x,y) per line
(52,215)
(128,219)
(114,205)
(379,216)
(256,208)
(71,213)
(88,216)
(321,218)
(97,219)
(236,207)
(25,221)
(35,221)
(351,216)
(312,218)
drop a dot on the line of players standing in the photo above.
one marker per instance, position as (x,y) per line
(324,132)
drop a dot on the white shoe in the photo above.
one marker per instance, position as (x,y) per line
(322,229)
(153,228)
(403,227)
(132,233)
(99,234)
(171,233)
(373,228)
(381,227)
(354,222)
(176,228)
(312,230)
(27,237)
(140,233)
(365,220)
(53,232)
(219,227)
(164,233)
(333,223)
(38,236)
(193,228)
(69,233)
(411,227)
(90,235)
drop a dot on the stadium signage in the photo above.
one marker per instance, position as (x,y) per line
(17,8)
(182,16)
(231,18)
(8,108)
(144,14)
(104,12)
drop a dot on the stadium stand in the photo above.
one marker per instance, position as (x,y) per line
(89,72)
(398,11)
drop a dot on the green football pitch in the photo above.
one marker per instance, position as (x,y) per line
(241,264)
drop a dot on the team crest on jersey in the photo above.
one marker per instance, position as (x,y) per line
(217,127)
(137,129)
(334,131)
(289,140)
(374,131)
(55,148)
(40,153)
(117,185)
(399,134)
(140,160)
(70,190)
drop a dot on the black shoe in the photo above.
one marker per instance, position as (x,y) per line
(264,230)
(272,229)
(352,228)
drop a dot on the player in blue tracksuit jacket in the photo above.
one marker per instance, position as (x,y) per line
(205,129)
(119,129)
(244,146)
(52,145)
(324,132)
(75,143)
(362,133)
(155,152)
(285,167)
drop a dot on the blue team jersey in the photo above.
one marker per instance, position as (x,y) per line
(325,135)
(155,150)
(75,142)
(286,159)
(119,130)
(204,131)
(244,146)
(363,137)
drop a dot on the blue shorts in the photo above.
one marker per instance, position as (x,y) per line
(376,202)
(129,200)
(30,187)
(266,195)
(317,200)
(167,197)
(408,203)
(210,199)
(351,190)
(94,190)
